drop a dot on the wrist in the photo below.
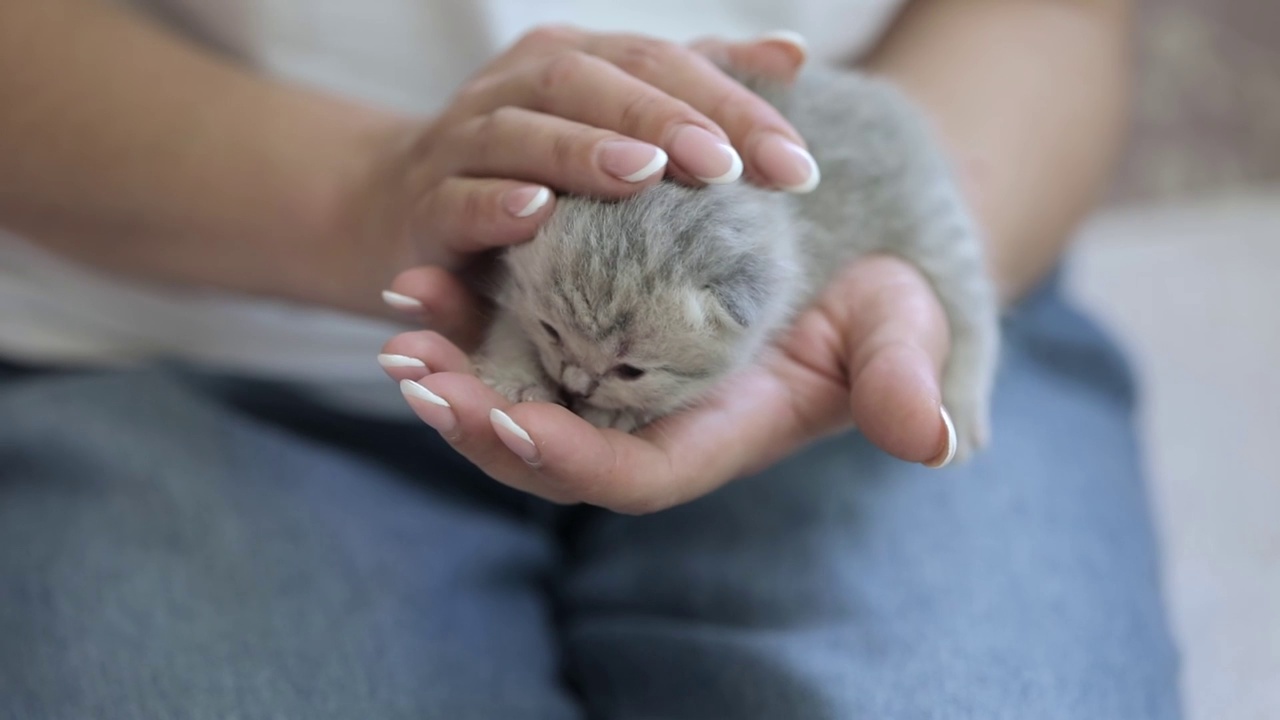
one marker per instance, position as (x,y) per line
(342,247)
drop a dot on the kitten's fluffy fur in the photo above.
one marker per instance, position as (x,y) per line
(627,311)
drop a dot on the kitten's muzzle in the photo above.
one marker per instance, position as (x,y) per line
(574,400)
(578,383)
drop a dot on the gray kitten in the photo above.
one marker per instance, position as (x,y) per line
(627,311)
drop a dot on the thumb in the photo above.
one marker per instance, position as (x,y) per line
(441,301)
(896,340)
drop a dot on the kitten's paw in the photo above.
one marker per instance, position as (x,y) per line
(624,420)
(532,393)
(966,392)
(972,426)
(516,386)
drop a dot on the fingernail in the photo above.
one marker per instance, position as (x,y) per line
(790,166)
(514,436)
(438,413)
(632,160)
(387,360)
(705,156)
(525,201)
(401,302)
(789,37)
(949,452)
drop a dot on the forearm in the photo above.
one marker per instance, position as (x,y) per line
(1029,96)
(123,147)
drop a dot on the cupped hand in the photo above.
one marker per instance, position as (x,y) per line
(868,352)
(564,110)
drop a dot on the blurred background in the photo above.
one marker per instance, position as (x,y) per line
(1184,264)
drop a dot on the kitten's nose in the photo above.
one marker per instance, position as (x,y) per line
(578,381)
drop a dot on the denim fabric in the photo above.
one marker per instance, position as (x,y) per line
(178,545)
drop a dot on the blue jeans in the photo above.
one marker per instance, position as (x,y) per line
(179,545)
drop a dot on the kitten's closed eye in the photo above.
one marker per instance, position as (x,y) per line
(555,336)
(628,372)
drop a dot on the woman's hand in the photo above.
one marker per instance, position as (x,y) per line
(1034,154)
(131,149)
(576,112)
(868,352)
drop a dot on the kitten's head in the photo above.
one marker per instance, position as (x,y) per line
(647,302)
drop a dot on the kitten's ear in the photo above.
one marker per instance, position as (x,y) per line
(736,293)
(736,305)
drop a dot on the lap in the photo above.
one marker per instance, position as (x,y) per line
(172,549)
(844,584)
(166,554)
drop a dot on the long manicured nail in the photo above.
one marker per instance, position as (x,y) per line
(525,201)
(388,360)
(514,436)
(705,156)
(404,303)
(791,38)
(437,412)
(788,165)
(632,160)
(949,452)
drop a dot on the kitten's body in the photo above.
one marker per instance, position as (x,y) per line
(688,285)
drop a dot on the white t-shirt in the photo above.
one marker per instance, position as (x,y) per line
(405,54)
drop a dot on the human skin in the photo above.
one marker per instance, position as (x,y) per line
(1028,97)
(124,147)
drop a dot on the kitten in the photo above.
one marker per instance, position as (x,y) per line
(627,311)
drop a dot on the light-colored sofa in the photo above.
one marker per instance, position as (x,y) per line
(1193,291)
(1185,267)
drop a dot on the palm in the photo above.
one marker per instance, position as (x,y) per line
(869,350)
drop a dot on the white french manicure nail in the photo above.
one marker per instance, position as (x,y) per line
(815,175)
(515,437)
(409,388)
(950,454)
(400,302)
(733,173)
(503,419)
(790,37)
(540,199)
(388,360)
(658,162)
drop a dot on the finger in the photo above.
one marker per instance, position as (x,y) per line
(563,454)
(550,452)
(436,382)
(896,340)
(469,215)
(414,355)
(440,300)
(763,414)
(587,89)
(776,57)
(459,407)
(681,457)
(571,156)
(540,42)
(775,153)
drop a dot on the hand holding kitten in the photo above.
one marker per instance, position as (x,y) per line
(869,351)
(563,111)
(680,305)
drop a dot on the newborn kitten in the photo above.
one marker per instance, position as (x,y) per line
(627,311)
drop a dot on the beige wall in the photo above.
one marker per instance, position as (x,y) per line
(1207,99)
